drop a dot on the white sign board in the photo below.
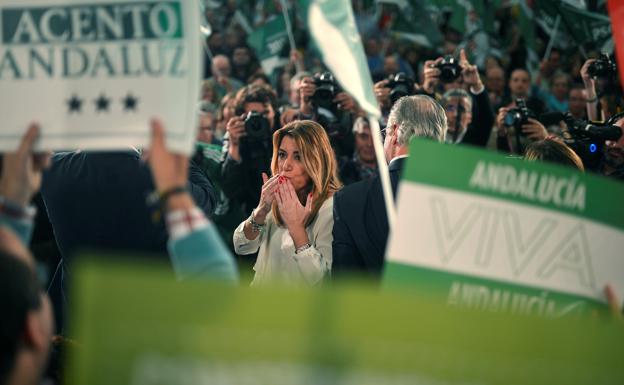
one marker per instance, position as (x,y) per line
(93,73)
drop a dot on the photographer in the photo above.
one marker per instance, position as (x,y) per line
(322,100)
(517,127)
(247,145)
(469,115)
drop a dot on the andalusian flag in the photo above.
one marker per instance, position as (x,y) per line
(487,232)
(332,27)
(269,42)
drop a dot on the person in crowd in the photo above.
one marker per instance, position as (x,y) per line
(360,221)
(96,200)
(243,63)
(495,85)
(207,124)
(363,164)
(336,116)
(208,93)
(227,109)
(291,226)
(221,80)
(577,101)
(553,151)
(474,110)
(513,141)
(557,98)
(195,249)
(247,156)
(520,88)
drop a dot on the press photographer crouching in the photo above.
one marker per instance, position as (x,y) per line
(247,145)
(323,101)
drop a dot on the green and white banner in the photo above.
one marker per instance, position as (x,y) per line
(93,73)
(269,41)
(499,234)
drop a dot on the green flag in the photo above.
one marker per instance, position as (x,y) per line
(269,41)
(412,21)
(587,27)
(332,27)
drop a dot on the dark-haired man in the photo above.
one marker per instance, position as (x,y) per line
(248,154)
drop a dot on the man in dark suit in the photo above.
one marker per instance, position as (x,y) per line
(98,201)
(360,219)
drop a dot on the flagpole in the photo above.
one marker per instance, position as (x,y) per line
(384,174)
(291,37)
(551,43)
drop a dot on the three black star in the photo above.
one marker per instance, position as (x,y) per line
(74,104)
(130,102)
(102,103)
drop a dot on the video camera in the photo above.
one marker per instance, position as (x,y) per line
(449,68)
(400,85)
(603,67)
(586,138)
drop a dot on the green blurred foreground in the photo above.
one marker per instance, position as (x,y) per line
(135,325)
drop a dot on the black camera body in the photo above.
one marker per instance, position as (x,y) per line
(449,68)
(326,91)
(400,85)
(257,127)
(256,145)
(517,117)
(587,139)
(603,67)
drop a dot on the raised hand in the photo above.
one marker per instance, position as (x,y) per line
(21,170)
(293,213)
(267,196)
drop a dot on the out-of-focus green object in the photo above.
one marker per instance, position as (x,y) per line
(136,325)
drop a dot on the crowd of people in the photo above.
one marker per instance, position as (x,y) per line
(284,178)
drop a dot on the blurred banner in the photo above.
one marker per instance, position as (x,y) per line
(93,74)
(135,325)
(616,13)
(489,232)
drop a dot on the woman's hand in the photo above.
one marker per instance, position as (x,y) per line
(267,197)
(294,214)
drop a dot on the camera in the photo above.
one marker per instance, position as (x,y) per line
(257,127)
(326,90)
(400,85)
(587,139)
(603,67)
(516,117)
(449,68)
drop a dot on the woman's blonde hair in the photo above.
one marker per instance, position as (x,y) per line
(318,160)
(553,151)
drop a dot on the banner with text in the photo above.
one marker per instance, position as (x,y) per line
(505,235)
(93,74)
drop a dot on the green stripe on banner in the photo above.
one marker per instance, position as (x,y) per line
(475,293)
(543,185)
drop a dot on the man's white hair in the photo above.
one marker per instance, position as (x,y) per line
(417,115)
